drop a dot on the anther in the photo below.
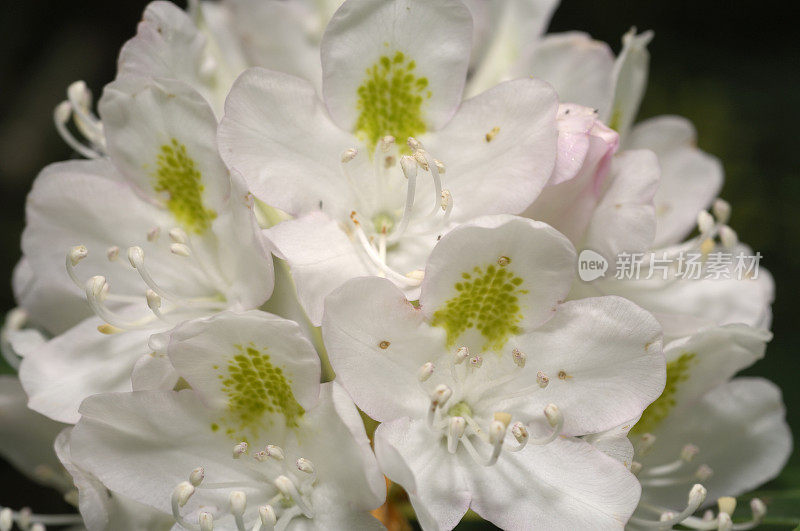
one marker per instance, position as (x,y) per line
(197,475)
(421,157)
(153,300)
(519,358)
(152,234)
(724,522)
(409,166)
(721,210)
(183,492)
(239,450)
(267,515)
(455,431)
(553,415)
(136,256)
(206,521)
(645,444)
(305,466)
(275,452)
(703,473)
(238,501)
(349,154)
(441,395)
(112,253)
(520,432)
(476,362)
(728,237)
(445,200)
(636,467)
(387,142)
(758,508)
(439,165)
(496,432)
(542,379)
(688,452)
(461,355)
(178,235)
(77,253)
(705,222)
(413,143)
(180,249)
(37,527)
(425,372)
(24,518)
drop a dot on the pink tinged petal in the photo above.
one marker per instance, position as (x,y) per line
(566,484)
(277,134)
(690,178)
(524,267)
(750,412)
(629,76)
(437,482)
(77,364)
(499,148)
(625,219)
(321,257)
(603,359)
(434,40)
(377,341)
(579,179)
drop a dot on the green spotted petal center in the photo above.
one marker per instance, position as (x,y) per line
(677,372)
(257,389)
(390,100)
(487,299)
(177,175)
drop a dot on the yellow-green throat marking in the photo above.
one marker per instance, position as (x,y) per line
(178,176)
(256,387)
(390,100)
(488,300)
(677,372)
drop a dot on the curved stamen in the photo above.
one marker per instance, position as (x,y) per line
(87,123)
(409,167)
(25,518)
(375,258)
(180,496)
(94,289)
(61,116)
(697,496)
(287,487)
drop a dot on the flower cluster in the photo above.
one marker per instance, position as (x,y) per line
(388,197)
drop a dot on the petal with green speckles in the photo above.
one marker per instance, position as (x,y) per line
(256,370)
(395,67)
(161,135)
(494,278)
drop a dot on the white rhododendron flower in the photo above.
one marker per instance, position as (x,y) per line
(367,179)
(257,441)
(154,235)
(427,175)
(483,387)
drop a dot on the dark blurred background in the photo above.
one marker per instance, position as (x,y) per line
(732,67)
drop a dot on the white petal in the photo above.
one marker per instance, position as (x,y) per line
(377,341)
(161,134)
(625,219)
(578,67)
(436,482)
(254,368)
(321,258)
(168,44)
(603,359)
(277,134)
(698,363)
(499,148)
(372,41)
(748,411)
(503,32)
(566,484)
(690,178)
(629,82)
(26,437)
(77,364)
(528,264)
